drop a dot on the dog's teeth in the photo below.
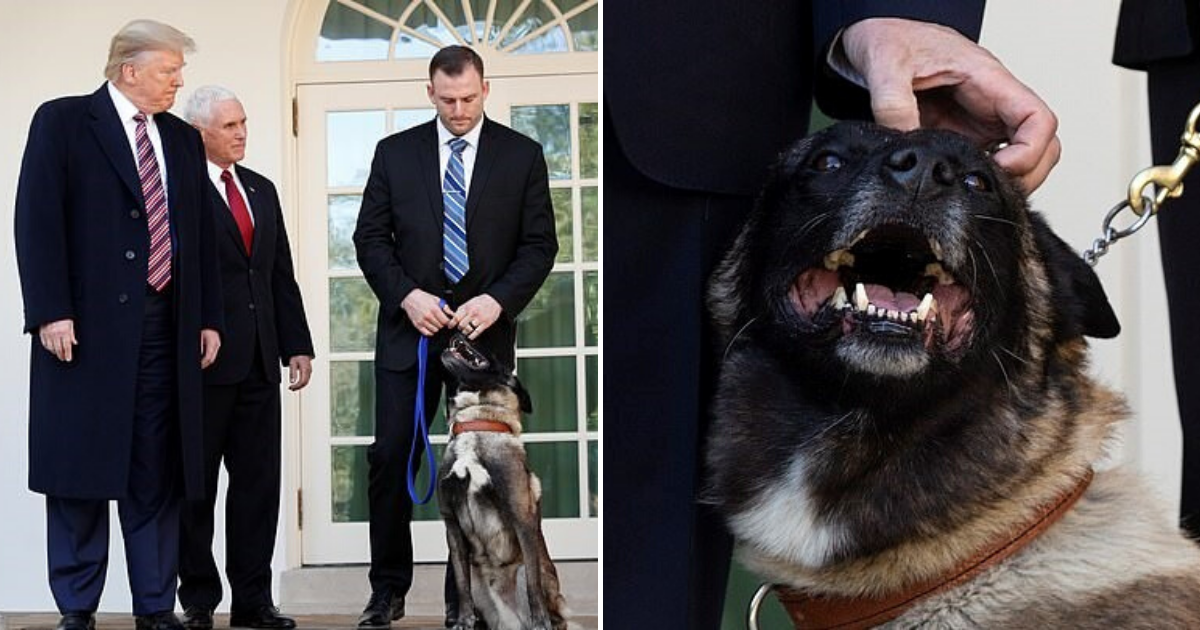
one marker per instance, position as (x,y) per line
(839,297)
(839,258)
(861,236)
(871,310)
(927,304)
(860,297)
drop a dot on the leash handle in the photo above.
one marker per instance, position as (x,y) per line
(421,428)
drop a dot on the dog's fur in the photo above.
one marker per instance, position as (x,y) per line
(491,503)
(852,456)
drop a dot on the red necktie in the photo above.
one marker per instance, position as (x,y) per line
(158,267)
(237,206)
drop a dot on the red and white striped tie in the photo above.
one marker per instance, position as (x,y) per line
(158,268)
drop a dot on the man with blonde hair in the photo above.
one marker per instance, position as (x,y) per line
(119,278)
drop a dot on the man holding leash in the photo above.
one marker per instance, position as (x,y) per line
(456,231)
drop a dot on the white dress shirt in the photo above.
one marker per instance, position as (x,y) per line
(126,110)
(214,173)
(468,154)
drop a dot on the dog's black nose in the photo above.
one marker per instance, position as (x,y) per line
(918,168)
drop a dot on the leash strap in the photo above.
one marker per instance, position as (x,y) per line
(421,428)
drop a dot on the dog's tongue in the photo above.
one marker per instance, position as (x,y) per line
(883,297)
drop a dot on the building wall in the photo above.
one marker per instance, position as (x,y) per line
(53,48)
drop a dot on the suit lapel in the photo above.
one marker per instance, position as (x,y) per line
(113,141)
(485,157)
(432,171)
(258,212)
(225,218)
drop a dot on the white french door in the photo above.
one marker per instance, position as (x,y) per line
(557,344)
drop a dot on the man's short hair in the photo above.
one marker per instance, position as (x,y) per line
(452,60)
(198,110)
(140,36)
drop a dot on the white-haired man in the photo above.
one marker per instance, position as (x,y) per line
(115,246)
(265,327)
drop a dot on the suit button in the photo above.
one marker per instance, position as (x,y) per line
(123,298)
(135,213)
(129,255)
(252,306)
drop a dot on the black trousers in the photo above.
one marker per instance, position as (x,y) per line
(666,555)
(1174,88)
(77,529)
(390,506)
(242,429)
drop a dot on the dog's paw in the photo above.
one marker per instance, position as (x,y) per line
(466,623)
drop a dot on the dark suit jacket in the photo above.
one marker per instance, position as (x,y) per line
(1150,31)
(510,233)
(694,110)
(264,313)
(82,247)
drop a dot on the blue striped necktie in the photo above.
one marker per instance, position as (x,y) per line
(454,201)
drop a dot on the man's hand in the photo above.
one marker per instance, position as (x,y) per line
(476,315)
(58,338)
(299,371)
(210,343)
(424,313)
(926,75)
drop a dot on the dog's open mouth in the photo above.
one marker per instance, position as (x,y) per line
(889,283)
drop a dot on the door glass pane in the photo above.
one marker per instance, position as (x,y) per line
(409,47)
(551,385)
(349,484)
(352,311)
(594,499)
(351,139)
(343,215)
(589,146)
(591,223)
(424,21)
(347,35)
(404,118)
(428,511)
(479,9)
(593,405)
(551,126)
(585,31)
(352,398)
(390,8)
(591,306)
(535,15)
(549,320)
(557,466)
(561,198)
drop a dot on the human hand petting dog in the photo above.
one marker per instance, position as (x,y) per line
(476,315)
(927,75)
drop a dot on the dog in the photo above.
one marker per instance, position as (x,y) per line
(904,433)
(490,501)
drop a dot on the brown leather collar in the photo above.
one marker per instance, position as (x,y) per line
(816,612)
(480,425)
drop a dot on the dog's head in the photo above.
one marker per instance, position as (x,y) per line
(899,256)
(482,378)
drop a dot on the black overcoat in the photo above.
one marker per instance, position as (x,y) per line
(82,248)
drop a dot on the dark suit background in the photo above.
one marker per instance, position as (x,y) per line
(1159,36)
(695,112)
(265,326)
(511,243)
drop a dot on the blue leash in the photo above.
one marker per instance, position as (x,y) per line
(421,429)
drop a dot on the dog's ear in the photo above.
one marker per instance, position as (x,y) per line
(522,394)
(1081,302)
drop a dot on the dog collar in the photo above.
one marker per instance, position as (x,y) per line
(494,426)
(821,612)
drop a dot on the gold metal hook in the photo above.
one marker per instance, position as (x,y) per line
(1168,180)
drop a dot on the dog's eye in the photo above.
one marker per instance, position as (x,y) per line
(827,161)
(977,182)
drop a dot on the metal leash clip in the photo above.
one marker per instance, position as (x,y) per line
(756,605)
(1149,189)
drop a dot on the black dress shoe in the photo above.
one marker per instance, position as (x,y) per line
(198,619)
(265,617)
(77,621)
(382,609)
(165,620)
